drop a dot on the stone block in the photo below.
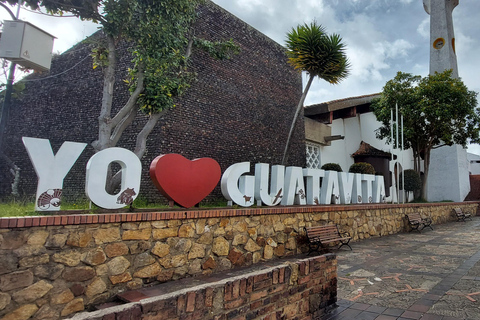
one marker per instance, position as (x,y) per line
(251,246)
(121,278)
(140,246)
(72,307)
(116,249)
(69,258)
(79,239)
(107,235)
(49,271)
(63,297)
(159,234)
(186,231)
(29,262)
(143,259)
(118,265)
(236,257)
(32,293)
(206,238)
(78,274)
(56,241)
(12,240)
(15,280)
(143,234)
(95,257)
(220,247)
(4,300)
(38,238)
(161,249)
(150,271)
(96,287)
(197,251)
(46,313)
(22,313)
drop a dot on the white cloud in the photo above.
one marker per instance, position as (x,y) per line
(424,28)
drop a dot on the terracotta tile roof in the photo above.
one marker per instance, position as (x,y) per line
(339,104)
(367,150)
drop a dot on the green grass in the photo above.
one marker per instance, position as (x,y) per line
(16,209)
(20,208)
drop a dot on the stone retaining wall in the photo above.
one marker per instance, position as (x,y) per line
(296,290)
(52,267)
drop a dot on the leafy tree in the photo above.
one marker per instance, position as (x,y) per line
(161,38)
(438,110)
(413,182)
(362,167)
(311,49)
(332,167)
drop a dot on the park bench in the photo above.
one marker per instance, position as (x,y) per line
(461,216)
(320,236)
(418,223)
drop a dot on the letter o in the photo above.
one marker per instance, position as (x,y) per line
(97,169)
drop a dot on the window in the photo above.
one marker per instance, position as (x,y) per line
(313,156)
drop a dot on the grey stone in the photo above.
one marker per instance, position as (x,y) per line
(49,271)
(15,280)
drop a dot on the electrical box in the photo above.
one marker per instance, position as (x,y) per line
(26,45)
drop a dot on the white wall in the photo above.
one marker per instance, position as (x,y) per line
(474,167)
(357,129)
(448,174)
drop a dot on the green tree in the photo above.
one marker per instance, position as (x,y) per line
(438,110)
(161,38)
(362,167)
(311,49)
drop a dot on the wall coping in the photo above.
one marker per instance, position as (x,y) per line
(103,218)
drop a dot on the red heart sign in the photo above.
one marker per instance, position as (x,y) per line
(187,182)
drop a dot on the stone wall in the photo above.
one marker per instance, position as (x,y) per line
(238,110)
(53,266)
(297,290)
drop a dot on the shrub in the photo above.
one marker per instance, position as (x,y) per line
(412,180)
(332,167)
(362,167)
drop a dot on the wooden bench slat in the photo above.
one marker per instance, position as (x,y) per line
(461,216)
(417,222)
(320,235)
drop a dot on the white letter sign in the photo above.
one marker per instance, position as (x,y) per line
(51,169)
(97,170)
(236,187)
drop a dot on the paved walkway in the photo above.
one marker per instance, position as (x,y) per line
(432,275)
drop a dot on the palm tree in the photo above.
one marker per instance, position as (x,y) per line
(310,49)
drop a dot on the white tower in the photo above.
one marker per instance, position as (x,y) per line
(448,177)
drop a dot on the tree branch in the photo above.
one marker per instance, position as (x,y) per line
(130,104)
(143,135)
(104,121)
(118,131)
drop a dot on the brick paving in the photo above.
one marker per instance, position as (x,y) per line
(432,275)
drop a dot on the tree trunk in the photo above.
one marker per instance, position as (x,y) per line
(141,145)
(104,120)
(294,122)
(426,165)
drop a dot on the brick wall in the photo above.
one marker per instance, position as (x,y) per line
(301,290)
(238,110)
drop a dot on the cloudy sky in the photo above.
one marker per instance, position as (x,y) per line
(382,36)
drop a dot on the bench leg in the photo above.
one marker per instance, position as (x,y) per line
(311,249)
(415,227)
(343,243)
